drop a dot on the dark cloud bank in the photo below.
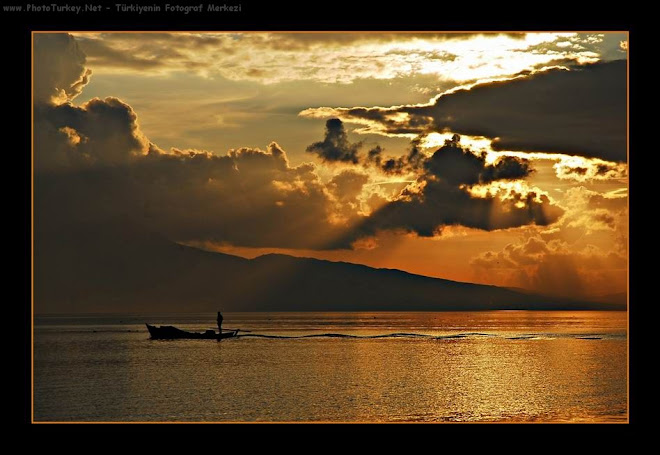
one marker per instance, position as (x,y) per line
(581,112)
(441,194)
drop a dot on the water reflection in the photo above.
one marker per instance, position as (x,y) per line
(99,369)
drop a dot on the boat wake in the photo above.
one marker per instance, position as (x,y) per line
(538,336)
(388,335)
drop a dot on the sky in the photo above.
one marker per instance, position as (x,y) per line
(489,158)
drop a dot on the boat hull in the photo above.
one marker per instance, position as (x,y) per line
(168,332)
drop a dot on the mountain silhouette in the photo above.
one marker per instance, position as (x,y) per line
(122,269)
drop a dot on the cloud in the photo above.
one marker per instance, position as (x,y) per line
(94,168)
(581,112)
(336,57)
(104,54)
(590,212)
(97,132)
(564,260)
(441,197)
(583,169)
(248,197)
(405,164)
(297,41)
(457,166)
(347,185)
(154,51)
(555,267)
(335,146)
(59,71)
(348,190)
(437,204)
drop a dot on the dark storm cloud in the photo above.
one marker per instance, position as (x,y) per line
(577,170)
(335,146)
(581,111)
(440,204)
(441,196)
(457,166)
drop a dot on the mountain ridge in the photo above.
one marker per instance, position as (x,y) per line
(86,270)
(373,268)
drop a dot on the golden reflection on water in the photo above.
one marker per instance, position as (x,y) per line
(507,366)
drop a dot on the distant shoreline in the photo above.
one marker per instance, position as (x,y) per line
(37,315)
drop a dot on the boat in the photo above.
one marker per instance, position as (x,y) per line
(168,332)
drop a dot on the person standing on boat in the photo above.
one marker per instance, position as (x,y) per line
(220,323)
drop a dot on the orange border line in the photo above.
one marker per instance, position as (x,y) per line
(334,32)
(32,225)
(627,32)
(628,240)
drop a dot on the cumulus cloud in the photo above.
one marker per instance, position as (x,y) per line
(97,132)
(59,72)
(581,111)
(441,194)
(564,260)
(347,185)
(347,189)
(248,197)
(95,168)
(590,212)
(556,267)
(335,146)
(441,197)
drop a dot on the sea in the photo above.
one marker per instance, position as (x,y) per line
(494,366)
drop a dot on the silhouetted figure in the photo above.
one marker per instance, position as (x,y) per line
(220,323)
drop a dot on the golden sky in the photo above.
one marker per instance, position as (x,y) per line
(342,146)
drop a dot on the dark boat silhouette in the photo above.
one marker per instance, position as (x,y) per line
(168,332)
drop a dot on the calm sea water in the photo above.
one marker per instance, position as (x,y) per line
(385,367)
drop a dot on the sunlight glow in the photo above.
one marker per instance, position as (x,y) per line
(272,58)
(508,190)
(475,143)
